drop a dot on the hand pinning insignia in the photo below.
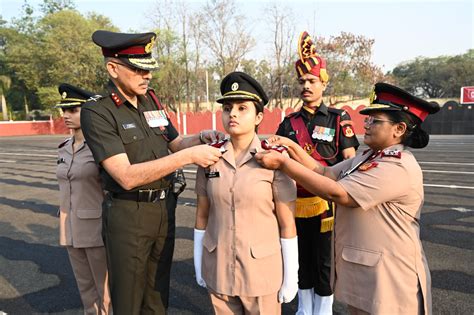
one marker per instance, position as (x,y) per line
(267,146)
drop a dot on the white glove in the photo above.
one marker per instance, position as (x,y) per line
(289,288)
(198,236)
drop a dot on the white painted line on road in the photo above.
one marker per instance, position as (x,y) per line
(7,161)
(32,155)
(462,209)
(447,151)
(33,150)
(450,172)
(447,163)
(448,186)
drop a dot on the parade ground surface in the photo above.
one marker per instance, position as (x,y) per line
(36,277)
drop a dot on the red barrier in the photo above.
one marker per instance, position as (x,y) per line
(195,122)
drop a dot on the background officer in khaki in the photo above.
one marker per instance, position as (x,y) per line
(245,235)
(379,263)
(80,215)
(130,134)
(327,135)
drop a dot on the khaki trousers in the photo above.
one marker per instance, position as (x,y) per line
(254,305)
(90,270)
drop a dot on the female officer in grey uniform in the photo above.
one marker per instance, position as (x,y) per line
(81,207)
(379,266)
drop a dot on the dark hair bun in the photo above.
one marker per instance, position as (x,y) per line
(418,138)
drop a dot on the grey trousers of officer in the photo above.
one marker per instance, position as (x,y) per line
(135,234)
(90,271)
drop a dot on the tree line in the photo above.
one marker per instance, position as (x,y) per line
(195,48)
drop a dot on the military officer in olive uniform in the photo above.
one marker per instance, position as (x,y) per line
(129,133)
(328,136)
(80,213)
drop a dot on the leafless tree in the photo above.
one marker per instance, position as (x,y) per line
(281,19)
(225,34)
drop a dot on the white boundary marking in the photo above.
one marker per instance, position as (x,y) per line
(446,163)
(32,155)
(460,209)
(448,186)
(450,172)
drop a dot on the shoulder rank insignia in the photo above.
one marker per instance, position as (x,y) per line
(279,148)
(62,144)
(392,153)
(367,166)
(116,99)
(219,145)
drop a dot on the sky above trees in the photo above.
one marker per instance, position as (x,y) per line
(402,30)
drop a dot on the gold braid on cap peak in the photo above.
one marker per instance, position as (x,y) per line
(308,56)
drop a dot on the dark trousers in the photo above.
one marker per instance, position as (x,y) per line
(139,249)
(314,252)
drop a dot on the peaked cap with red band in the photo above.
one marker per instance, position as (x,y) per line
(133,49)
(310,61)
(387,97)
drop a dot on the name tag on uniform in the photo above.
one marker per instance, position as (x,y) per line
(129,126)
(156,118)
(212,174)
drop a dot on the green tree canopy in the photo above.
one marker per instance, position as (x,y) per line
(436,77)
(58,49)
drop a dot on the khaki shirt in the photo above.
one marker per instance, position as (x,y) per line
(80,192)
(379,261)
(242,253)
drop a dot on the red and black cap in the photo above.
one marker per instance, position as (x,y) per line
(72,96)
(310,61)
(133,49)
(387,97)
(241,86)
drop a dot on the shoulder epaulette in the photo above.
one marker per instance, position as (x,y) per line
(346,122)
(62,144)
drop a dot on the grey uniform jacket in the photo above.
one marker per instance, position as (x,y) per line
(81,197)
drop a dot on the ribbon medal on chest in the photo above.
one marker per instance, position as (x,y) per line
(323,133)
(156,118)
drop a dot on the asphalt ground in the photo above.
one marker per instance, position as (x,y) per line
(36,277)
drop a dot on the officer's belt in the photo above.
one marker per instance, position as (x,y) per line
(310,207)
(143,195)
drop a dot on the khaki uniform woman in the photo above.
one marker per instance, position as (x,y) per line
(80,214)
(245,233)
(379,266)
